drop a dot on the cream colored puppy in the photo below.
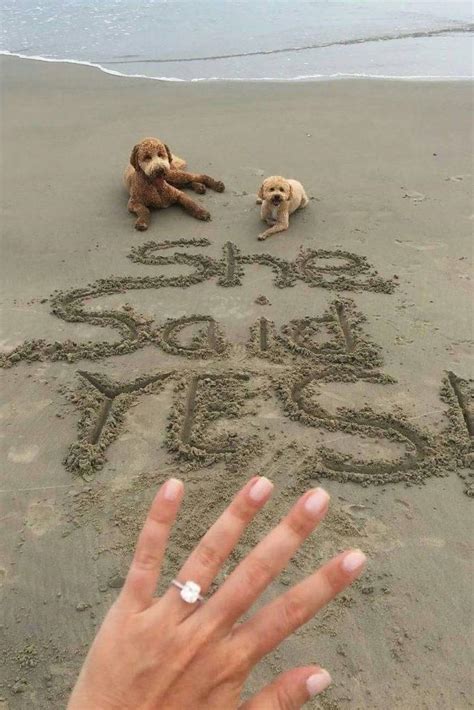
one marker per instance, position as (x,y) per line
(279,198)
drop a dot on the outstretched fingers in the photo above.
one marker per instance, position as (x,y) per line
(142,578)
(276,621)
(266,560)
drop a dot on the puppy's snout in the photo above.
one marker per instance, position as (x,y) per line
(276,199)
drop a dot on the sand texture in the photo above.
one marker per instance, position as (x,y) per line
(338,353)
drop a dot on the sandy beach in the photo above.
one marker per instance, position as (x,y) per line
(129,357)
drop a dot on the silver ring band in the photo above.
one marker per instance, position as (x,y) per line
(190,592)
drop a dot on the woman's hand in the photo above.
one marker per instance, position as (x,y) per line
(163,653)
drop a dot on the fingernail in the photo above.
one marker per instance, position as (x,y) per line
(354,561)
(260,489)
(316,502)
(318,682)
(173,488)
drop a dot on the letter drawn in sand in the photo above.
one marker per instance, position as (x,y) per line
(103,405)
(465,398)
(334,337)
(458,394)
(202,401)
(136,331)
(330,347)
(206,337)
(351,272)
(417,464)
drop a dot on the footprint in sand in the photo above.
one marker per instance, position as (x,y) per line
(23,454)
(41,517)
(457,178)
(415,196)
(432,542)
(254,171)
(420,247)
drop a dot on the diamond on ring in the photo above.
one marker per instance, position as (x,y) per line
(190,592)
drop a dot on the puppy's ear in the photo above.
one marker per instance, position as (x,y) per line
(134,157)
(260,192)
(290,194)
(170,157)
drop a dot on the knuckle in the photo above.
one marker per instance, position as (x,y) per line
(284,699)
(240,511)
(241,659)
(186,649)
(258,571)
(145,561)
(332,580)
(196,644)
(147,555)
(208,557)
(299,527)
(293,612)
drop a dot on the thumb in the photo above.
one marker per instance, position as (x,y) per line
(290,690)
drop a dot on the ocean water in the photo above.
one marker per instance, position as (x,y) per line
(192,40)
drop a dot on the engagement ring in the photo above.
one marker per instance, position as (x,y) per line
(190,592)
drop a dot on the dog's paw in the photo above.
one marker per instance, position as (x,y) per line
(204,215)
(262,237)
(219,186)
(258,201)
(141,225)
(199,187)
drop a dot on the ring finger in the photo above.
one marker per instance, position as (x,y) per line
(214,548)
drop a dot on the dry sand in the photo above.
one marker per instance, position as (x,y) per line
(130,357)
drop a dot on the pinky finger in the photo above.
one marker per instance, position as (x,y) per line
(140,584)
(290,690)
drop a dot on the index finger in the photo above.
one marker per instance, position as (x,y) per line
(142,578)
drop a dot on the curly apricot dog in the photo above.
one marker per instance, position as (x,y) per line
(279,198)
(152,178)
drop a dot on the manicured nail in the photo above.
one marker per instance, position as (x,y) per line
(173,488)
(316,503)
(260,489)
(318,682)
(354,561)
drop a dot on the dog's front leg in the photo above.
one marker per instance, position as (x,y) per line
(142,212)
(190,206)
(198,187)
(280,226)
(180,178)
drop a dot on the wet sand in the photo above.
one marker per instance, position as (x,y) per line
(338,353)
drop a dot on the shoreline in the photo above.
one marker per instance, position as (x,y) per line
(314,78)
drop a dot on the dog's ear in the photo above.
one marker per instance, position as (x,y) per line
(134,157)
(290,194)
(260,192)
(170,157)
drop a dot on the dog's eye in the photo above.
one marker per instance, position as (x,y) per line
(281,189)
(272,189)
